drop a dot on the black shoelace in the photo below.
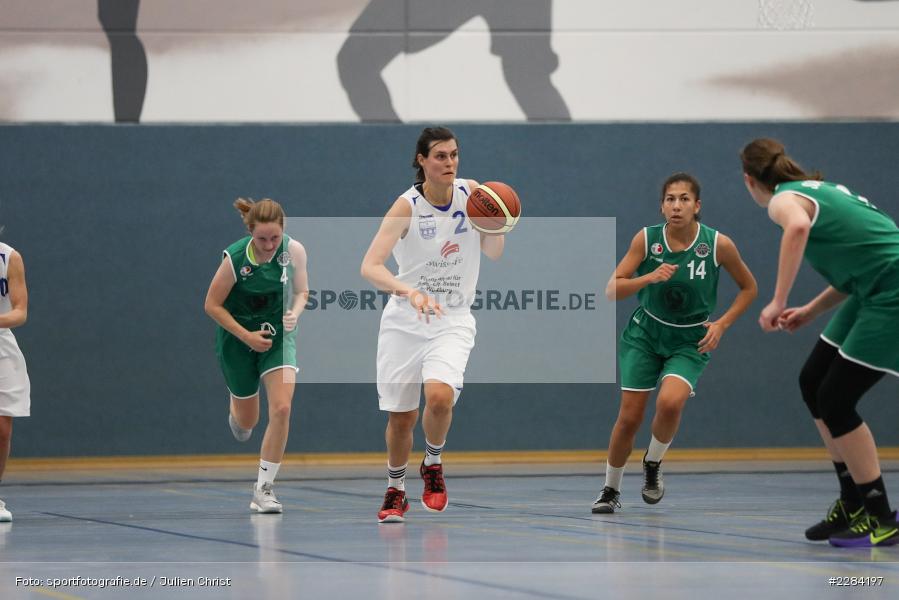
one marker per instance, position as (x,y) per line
(434,480)
(394,499)
(609,496)
(651,475)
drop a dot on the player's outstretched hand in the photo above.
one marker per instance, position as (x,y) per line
(424,305)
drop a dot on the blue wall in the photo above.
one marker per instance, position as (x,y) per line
(121,229)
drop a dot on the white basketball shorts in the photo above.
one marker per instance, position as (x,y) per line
(15,387)
(412,351)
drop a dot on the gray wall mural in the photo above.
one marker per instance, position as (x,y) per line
(520,36)
(128,57)
(479,61)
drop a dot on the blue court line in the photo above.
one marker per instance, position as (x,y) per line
(369,496)
(191,536)
(383,566)
(682,529)
(93,482)
(838,556)
(665,528)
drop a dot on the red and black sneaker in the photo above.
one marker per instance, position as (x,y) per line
(394,507)
(434,496)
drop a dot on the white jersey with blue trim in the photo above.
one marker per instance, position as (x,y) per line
(441,252)
(5,304)
(8,343)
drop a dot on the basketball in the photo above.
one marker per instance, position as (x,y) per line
(493,208)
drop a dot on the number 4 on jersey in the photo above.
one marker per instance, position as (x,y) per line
(696,271)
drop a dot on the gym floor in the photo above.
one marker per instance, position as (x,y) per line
(724,529)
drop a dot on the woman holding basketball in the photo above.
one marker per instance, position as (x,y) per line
(673,269)
(427,329)
(256,338)
(855,247)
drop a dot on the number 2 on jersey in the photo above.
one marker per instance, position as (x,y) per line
(460,228)
(696,271)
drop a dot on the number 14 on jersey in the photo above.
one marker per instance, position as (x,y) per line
(696,271)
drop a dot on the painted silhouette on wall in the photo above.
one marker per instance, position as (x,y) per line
(129,60)
(520,36)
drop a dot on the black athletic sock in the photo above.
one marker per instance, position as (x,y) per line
(875,497)
(849,493)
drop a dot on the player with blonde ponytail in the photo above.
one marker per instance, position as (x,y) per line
(256,337)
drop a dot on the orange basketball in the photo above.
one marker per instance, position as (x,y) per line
(493,208)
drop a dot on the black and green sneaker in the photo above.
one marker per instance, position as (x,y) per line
(839,518)
(867,532)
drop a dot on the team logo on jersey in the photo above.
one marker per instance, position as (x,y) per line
(678,297)
(284,259)
(246,271)
(656,248)
(449,248)
(702,250)
(427,226)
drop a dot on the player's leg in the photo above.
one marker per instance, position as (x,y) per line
(398,437)
(683,367)
(438,415)
(621,444)
(5,441)
(400,349)
(850,376)
(279,387)
(15,401)
(241,372)
(639,367)
(673,394)
(443,371)
(849,505)
(243,416)
(844,385)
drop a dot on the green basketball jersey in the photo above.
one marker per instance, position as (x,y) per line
(851,241)
(258,292)
(689,297)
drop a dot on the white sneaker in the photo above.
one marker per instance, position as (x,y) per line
(240,434)
(653,484)
(609,499)
(5,515)
(264,500)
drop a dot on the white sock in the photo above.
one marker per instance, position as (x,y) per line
(432,453)
(396,477)
(267,472)
(656,450)
(613,476)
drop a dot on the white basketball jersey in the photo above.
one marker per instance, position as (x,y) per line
(441,252)
(5,304)
(8,343)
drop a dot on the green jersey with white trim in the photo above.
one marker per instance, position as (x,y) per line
(689,297)
(851,242)
(258,292)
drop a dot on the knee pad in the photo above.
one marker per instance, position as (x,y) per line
(837,410)
(813,373)
(809,382)
(843,386)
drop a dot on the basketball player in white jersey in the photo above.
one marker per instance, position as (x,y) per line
(427,329)
(15,388)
